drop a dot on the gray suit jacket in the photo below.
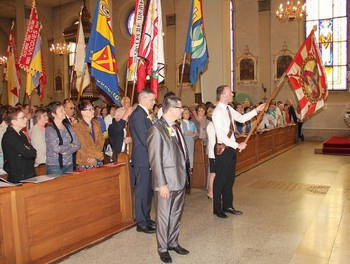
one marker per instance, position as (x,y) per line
(167,161)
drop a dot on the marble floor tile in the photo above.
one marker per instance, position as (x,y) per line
(296,210)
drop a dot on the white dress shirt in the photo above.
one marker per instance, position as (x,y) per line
(221,122)
(211,140)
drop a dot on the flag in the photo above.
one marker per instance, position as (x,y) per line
(196,43)
(135,39)
(80,67)
(12,70)
(101,51)
(307,76)
(151,48)
(31,59)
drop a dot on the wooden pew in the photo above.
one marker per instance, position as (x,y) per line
(44,222)
(200,165)
(260,147)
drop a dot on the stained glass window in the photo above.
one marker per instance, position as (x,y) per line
(331,20)
(130,21)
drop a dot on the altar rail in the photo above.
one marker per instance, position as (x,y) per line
(41,223)
(260,147)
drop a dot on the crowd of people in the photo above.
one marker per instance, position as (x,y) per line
(65,137)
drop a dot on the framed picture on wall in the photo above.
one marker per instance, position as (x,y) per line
(282,61)
(186,74)
(247,68)
(58,82)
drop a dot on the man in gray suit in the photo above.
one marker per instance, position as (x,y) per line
(167,156)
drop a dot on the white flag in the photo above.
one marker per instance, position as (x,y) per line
(80,67)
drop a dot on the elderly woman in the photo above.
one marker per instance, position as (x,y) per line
(19,154)
(37,135)
(61,141)
(89,132)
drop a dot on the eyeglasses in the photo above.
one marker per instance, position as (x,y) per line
(178,107)
(20,117)
(89,109)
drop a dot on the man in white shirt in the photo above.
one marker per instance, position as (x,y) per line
(223,119)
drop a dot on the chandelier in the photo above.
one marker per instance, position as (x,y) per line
(3,60)
(60,48)
(291,12)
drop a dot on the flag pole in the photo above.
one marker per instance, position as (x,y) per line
(134,82)
(81,84)
(182,74)
(133,90)
(126,83)
(261,114)
(75,57)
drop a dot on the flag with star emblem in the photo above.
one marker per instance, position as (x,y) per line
(101,52)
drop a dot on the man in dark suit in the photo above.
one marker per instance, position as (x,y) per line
(139,125)
(168,156)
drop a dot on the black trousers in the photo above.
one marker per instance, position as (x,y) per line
(143,195)
(224,179)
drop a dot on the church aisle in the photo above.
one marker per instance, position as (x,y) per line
(296,209)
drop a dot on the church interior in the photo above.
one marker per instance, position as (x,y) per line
(296,204)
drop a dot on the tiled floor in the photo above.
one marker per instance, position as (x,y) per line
(296,210)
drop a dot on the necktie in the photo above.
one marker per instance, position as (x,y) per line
(231,124)
(179,138)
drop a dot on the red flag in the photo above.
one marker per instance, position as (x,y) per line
(135,39)
(307,76)
(151,48)
(32,60)
(12,70)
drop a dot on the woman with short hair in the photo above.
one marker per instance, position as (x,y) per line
(61,141)
(37,135)
(88,130)
(19,154)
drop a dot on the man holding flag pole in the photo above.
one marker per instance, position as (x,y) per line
(307,76)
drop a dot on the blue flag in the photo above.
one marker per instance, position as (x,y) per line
(196,43)
(101,52)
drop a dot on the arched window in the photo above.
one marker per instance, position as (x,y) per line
(130,21)
(330,17)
